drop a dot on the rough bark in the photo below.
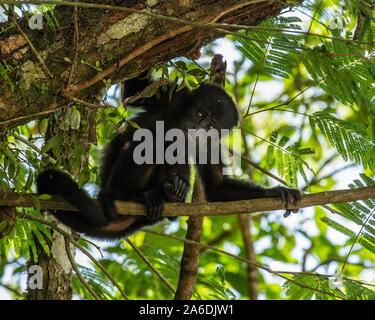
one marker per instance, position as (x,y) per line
(56,271)
(252,270)
(124,44)
(190,255)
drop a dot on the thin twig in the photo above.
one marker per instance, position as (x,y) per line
(84,103)
(104,270)
(257,79)
(245,223)
(281,104)
(76,42)
(14,291)
(34,115)
(236,7)
(78,273)
(148,262)
(246,27)
(356,238)
(328,261)
(278,273)
(34,147)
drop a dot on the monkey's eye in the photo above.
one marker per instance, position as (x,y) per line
(199,115)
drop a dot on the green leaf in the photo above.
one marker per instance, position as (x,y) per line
(52,143)
(348,137)
(280,57)
(337,226)
(133,124)
(181,65)
(84,177)
(45,197)
(29,180)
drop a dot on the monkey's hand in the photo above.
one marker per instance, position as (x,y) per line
(154,203)
(290,197)
(108,205)
(176,188)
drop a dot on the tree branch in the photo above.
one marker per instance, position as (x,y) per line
(190,256)
(152,267)
(122,48)
(78,273)
(199,208)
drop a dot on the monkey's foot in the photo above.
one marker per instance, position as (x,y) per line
(290,197)
(154,204)
(176,189)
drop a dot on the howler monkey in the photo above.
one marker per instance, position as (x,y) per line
(206,107)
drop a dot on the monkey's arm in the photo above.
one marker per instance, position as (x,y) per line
(231,190)
(222,188)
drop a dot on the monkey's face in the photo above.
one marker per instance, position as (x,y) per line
(197,118)
(210,107)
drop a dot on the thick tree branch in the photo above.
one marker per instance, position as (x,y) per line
(200,209)
(123,41)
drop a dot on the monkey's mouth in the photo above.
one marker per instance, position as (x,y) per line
(191,134)
(201,132)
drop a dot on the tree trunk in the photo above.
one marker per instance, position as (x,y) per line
(56,268)
(190,255)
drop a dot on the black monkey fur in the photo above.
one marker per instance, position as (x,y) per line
(208,106)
